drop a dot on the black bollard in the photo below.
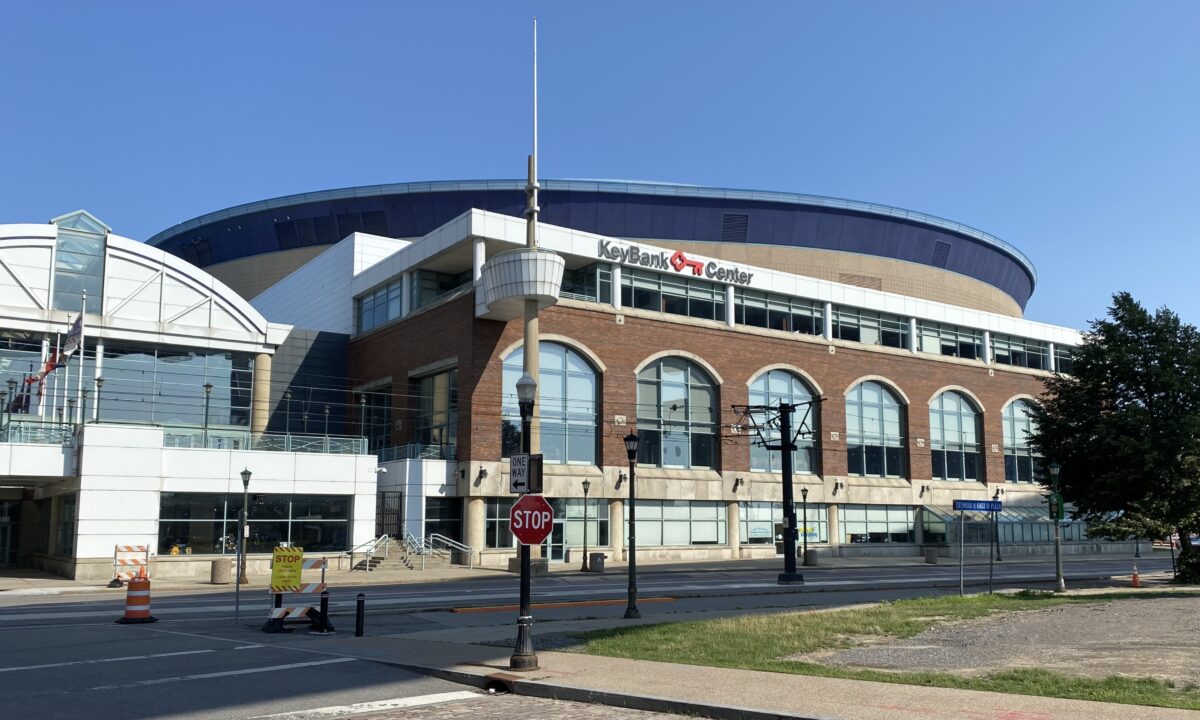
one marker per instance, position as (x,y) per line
(325,626)
(360,612)
(278,600)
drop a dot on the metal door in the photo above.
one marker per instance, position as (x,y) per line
(389,513)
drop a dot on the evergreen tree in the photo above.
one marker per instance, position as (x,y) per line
(1125,428)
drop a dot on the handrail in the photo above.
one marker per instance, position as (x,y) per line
(453,545)
(369,549)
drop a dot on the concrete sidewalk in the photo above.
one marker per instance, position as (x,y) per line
(716,692)
(22,582)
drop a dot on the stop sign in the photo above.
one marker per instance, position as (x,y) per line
(531,519)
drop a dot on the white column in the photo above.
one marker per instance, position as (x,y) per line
(99,374)
(829,321)
(616,527)
(913,341)
(1053,363)
(987,346)
(729,314)
(616,286)
(479,256)
(733,529)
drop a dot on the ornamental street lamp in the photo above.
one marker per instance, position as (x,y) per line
(804,528)
(587,484)
(523,657)
(241,546)
(207,395)
(99,387)
(631,448)
(287,422)
(1060,584)
(326,428)
(996,527)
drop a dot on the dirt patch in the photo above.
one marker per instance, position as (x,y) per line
(1138,638)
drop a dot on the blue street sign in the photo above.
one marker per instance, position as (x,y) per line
(979,505)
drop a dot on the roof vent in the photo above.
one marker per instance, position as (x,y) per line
(734,227)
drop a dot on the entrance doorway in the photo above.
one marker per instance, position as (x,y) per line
(389,513)
(555,547)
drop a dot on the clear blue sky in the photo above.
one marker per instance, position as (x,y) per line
(1069,129)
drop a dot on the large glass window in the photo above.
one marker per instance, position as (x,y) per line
(581,283)
(778,312)
(378,306)
(78,269)
(876,523)
(1020,464)
(1064,359)
(870,328)
(954,438)
(443,516)
(875,432)
(377,418)
(437,410)
(672,294)
(950,340)
(1019,352)
(679,522)
(566,405)
(167,385)
(677,415)
(207,523)
(429,286)
(762,522)
(769,389)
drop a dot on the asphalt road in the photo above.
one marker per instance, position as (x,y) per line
(64,657)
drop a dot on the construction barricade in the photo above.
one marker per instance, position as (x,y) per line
(137,602)
(287,566)
(129,561)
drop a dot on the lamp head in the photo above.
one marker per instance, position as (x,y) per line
(587,485)
(1054,469)
(99,383)
(208,388)
(804,493)
(631,445)
(526,389)
(245,479)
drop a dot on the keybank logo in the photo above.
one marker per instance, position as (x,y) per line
(635,256)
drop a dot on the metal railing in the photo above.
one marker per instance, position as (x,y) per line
(443,546)
(223,439)
(369,550)
(418,451)
(34,432)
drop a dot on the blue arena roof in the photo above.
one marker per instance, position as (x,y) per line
(618,208)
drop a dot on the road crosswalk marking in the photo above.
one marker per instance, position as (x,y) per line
(376,706)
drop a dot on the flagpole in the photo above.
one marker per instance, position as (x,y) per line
(53,396)
(82,357)
(62,408)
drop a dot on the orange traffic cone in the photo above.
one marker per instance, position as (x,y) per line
(137,600)
(1137,581)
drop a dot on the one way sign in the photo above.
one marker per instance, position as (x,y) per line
(525,473)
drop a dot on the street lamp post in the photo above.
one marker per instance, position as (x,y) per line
(996,527)
(804,529)
(99,387)
(326,428)
(12,399)
(241,546)
(362,415)
(587,484)
(1060,584)
(523,657)
(207,396)
(631,448)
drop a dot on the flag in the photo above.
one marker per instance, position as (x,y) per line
(74,337)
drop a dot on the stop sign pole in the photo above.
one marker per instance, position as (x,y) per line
(530,519)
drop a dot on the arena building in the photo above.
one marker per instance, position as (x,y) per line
(358,350)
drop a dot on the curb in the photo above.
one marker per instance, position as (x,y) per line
(517,685)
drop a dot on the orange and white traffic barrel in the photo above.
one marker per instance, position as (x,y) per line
(137,601)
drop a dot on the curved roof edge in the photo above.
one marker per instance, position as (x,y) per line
(613,186)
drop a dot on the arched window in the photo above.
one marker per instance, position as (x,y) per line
(769,389)
(874,432)
(954,438)
(1019,461)
(676,415)
(566,405)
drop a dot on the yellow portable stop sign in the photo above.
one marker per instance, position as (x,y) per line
(286,564)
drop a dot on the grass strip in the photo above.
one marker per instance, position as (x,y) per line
(764,642)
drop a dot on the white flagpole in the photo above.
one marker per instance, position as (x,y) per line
(51,397)
(82,356)
(62,408)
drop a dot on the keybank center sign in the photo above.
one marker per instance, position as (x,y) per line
(656,259)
